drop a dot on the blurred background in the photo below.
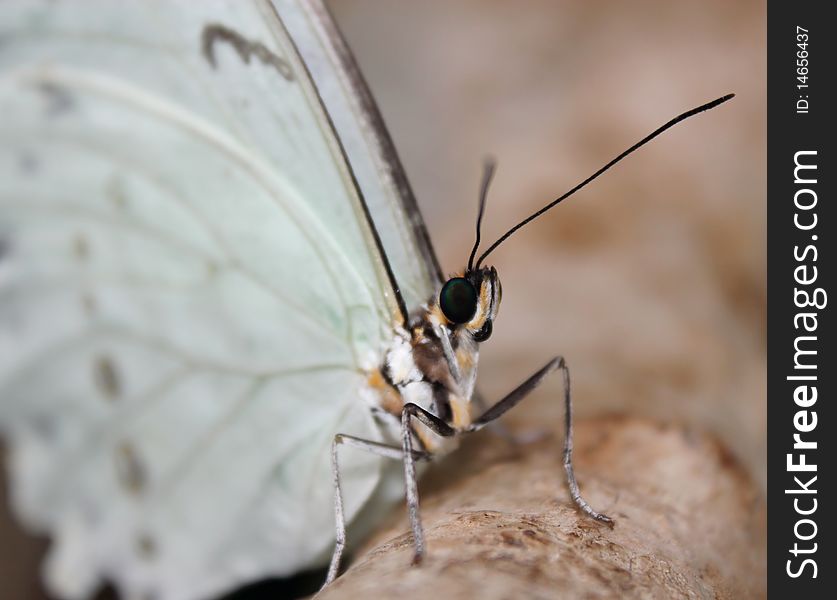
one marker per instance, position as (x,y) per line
(652,281)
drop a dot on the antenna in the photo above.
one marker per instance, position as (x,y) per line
(488,167)
(642,142)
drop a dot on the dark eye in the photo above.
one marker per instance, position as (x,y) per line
(458,300)
(485,331)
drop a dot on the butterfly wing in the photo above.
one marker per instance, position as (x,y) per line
(369,148)
(191,292)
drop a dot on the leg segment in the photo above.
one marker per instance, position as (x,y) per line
(521,392)
(436,425)
(340,522)
(498,427)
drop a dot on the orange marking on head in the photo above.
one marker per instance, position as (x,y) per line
(484,307)
(435,313)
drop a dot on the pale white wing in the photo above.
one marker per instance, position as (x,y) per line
(368,146)
(190,293)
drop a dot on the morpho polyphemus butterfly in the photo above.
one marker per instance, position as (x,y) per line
(214,279)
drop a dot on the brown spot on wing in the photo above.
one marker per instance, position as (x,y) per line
(146,546)
(88,304)
(130,471)
(58,99)
(107,377)
(115,192)
(28,163)
(81,248)
(245,48)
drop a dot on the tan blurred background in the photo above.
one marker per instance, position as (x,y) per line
(651,282)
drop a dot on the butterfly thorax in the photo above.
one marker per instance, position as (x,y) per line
(433,362)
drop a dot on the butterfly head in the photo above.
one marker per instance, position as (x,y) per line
(469,302)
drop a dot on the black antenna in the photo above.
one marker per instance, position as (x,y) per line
(488,167)
(642,142)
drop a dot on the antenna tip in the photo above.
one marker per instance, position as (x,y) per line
(720,100)
(708,106)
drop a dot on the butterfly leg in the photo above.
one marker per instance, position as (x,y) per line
(497,427)
(521,392)
(437,426)
(340,522)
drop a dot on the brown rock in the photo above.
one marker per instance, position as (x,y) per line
(499,523)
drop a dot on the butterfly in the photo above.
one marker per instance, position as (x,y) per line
(219,302)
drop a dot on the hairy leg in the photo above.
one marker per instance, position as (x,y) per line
(436,425)
(521,392)
(340,522)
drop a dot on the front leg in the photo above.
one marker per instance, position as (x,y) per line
(339,520)
(521,392)
(436,425)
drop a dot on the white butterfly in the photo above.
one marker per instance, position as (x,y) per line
(211,265)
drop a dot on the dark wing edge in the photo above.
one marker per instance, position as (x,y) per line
(373,230)
(375,122)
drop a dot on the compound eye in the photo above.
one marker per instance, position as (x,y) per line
(458,300)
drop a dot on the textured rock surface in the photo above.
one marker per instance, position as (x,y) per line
(689,523)
(651,283)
